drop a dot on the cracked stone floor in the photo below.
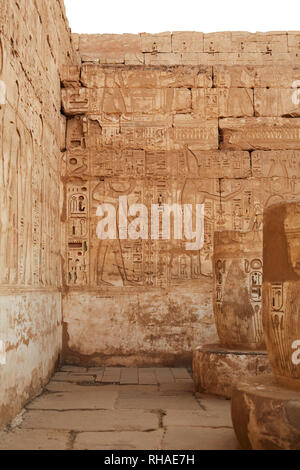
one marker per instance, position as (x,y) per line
(122,409)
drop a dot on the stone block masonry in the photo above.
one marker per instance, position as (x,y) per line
(191,48)
(35,42)
(171,118)
(185,118)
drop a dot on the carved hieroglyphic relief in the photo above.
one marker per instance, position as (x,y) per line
(77,233)
(238,288)
(34,42)
(152,135)
(281,291)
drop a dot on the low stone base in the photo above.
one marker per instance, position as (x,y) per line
(217,369)
(266,416)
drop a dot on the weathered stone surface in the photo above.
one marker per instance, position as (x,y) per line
(276,76)
(147,377)
(87,399)
(238,289)
(122,429)
(187,438)
(210,164)
(218,42)
(130,440)
(213,164)
(265,416)
(192,129)
(132,129)
(216,369)
(215,413)
(132,58)
(75,370)
(294,41)
(228,48)
(271,42)
(70,76)
(132,136)
(280,291)
(115,100)
(276,164)
(267,133)
(180,386)
(54,386)
(155,43)
(157,401)
(166,58)
(187,41)
(35,42)
(129,376)
(145,120)
(234,102)
(33,439)
(75,378)
(108,47)
(91,420)
(124,77)
(180,373)
(131,335)
(276,102)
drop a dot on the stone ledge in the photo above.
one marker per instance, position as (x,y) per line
(216,369)
(266,416)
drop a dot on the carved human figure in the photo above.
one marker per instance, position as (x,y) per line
(238,289)
(10,154)
(109,266)
(281,284)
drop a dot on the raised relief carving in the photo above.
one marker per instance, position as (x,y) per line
(78,234)
(138,138)
(238,289)
(281,287)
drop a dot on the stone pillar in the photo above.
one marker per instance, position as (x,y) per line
(281,300)
(237,308)
(238,289)
(266,411)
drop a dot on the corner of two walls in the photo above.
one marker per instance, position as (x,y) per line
(178,117)
(35,41)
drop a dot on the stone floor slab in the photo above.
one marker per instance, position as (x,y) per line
(190,438)
(81,400)
(99,375)
(81,378)
(164,376)
(181,373)
(54,386)
(213,404)
(111,375)
(95,370)
(72,377)
(129,440)
(103,420)
(32,439)
(139,390)
(129,376)
(198,418)
(181,386)
(76,369)
(147,377)
(119,413)
(156,401)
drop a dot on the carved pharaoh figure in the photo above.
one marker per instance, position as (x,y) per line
(238,289)
(110,266)
(281,283)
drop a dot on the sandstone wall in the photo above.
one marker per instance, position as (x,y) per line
(191,48)
(34,42)
(169,118)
